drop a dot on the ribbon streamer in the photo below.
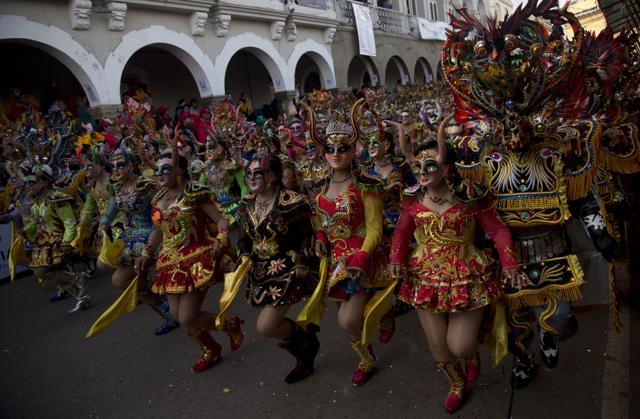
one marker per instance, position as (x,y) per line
(313,310)
(110,251)
(124,304)
(232,282)
(375,309)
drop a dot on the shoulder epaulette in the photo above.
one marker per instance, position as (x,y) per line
(57,196)
(195,191)
(368,183)
(289,200)
(144,184)
(158,196)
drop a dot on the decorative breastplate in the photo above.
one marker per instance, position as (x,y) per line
(529,187)
(338,223)
(449,229)
(177,222)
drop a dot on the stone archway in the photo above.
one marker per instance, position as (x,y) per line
(59,44)
(362,71)
(395,72)
(262,49)
(178,44)
(423,72)
(321,58)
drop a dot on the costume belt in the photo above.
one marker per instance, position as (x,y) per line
(530,248)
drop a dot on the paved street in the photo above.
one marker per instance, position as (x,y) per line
(50,371)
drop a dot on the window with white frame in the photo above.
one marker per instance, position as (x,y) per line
(433,11)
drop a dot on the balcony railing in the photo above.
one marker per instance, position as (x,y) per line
(316,4)
(385,20)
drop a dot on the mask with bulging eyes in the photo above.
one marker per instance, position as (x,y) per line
(424,166)
(297,129)
(374,147)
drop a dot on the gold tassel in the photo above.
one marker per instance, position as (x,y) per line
(313,310)
(529,299)
(624,165)
(473,173)
(616,322)
(579,186)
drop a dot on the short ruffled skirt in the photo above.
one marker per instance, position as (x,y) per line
(456,289)
(47,251)
(274,283)
(190,269)
(347,285)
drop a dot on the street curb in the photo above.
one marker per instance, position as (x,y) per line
(615,378)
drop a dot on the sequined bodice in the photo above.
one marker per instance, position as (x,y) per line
(450,233)
(342,217)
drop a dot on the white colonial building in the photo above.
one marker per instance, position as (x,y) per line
(204,49)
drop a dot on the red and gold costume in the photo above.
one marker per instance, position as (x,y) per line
(447,272)
(187,261)
(352,225)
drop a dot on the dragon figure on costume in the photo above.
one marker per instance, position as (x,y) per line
(521,142)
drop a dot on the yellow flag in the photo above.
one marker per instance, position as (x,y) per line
(17,253)
(124,304)
(313,310)
(232,282)
(376,307)
(78,242)
(110,251)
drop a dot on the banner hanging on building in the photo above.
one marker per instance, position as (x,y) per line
(432,30)
(366,38)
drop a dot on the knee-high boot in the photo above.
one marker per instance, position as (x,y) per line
(304,347)
(168,322)
(387,326)
(472,367)
(366,366)
(233,328)
(211,350)
(453,371)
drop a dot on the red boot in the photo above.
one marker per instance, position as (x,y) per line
(233,328)
(211,351)
(387,326)
(472,367)
(367,360)
(455,398)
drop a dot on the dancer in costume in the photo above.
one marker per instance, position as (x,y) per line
(97,193)
(448,280)
(349,208)
(314,169)
(379,146)
(190,259)
(533,164)
(132,200)
(223,175)
(50,225)
(277,235)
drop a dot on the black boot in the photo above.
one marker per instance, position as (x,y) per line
(549,350)
(304,346)
(523,370)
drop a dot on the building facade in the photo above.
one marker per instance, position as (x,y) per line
(206,49)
